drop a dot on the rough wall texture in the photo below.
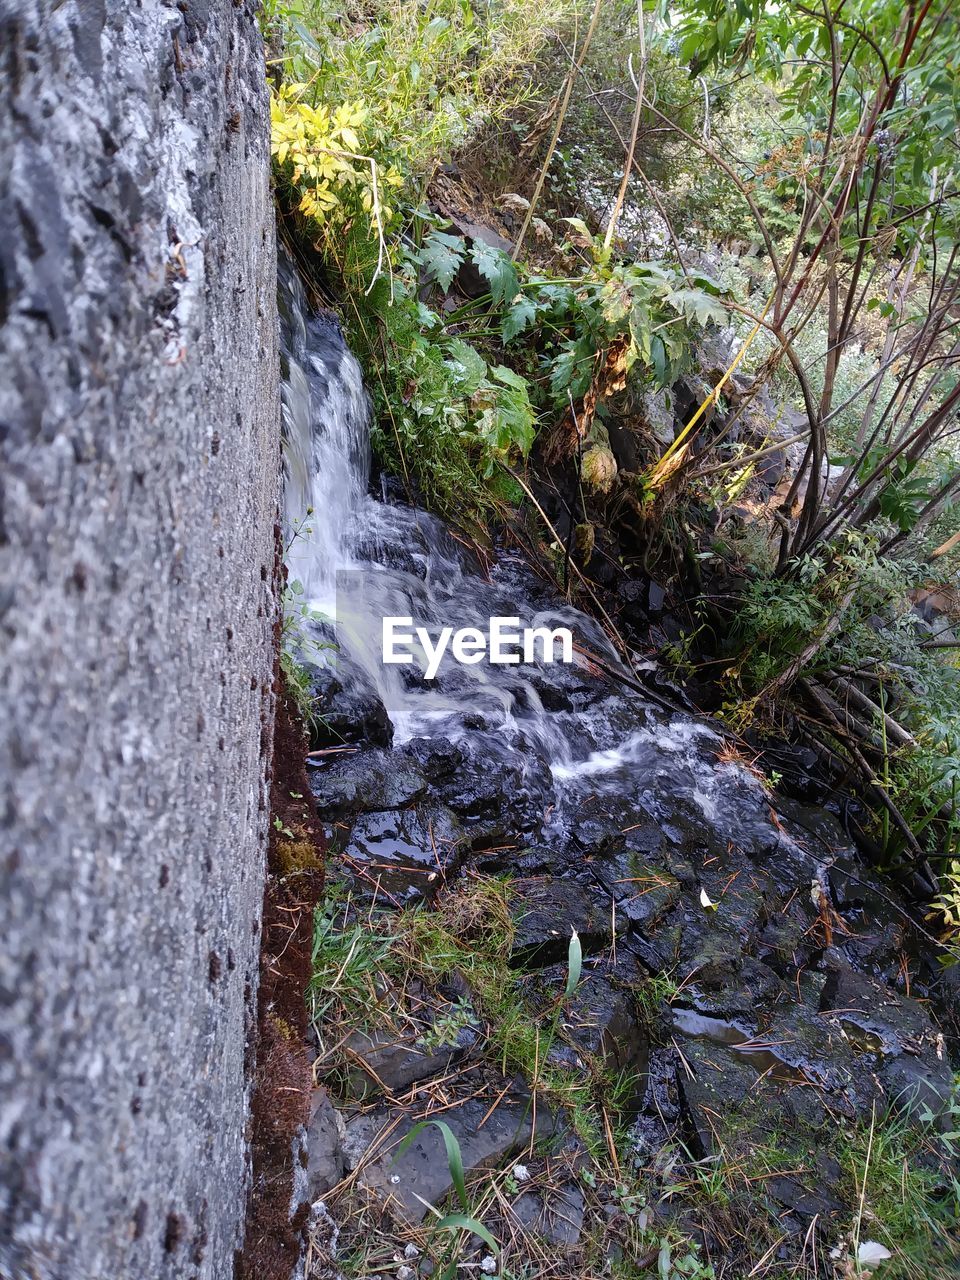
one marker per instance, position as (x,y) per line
(138,473)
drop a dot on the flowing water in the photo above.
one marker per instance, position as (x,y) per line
(631,824)
(361,557)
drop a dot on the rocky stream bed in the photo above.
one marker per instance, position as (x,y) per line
(754,1000)
(802,1001)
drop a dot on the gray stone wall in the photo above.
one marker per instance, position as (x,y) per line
(139,430)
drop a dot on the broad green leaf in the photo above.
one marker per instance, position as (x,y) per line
(498,270)
(521,314)
(441,255)
(467,363)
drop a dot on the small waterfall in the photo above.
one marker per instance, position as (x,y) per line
(326,443)
(362,557)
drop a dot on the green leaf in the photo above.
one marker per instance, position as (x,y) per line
(462,1222)
(522,313)
(467,364)
(507,422)
(658,356)
(697,306)
(498,270)
(454,1157)
(572,369)
(508,377)
(440,256)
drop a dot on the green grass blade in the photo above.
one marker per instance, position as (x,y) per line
(462,1222)
(574,962)
(454,1158)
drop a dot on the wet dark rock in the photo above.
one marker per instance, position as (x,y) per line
(797,768)
(391,556)
(600,1019)
(404,854)
(788,1046)
(545,912)
(324,1143)
(738,987)
(644,892)
(438,759)
(920,1087)
(347,711)
(555,1215)
(497,794)
(815,829)
(895,1036)
(737,1097)
(817,1192)
(893,1022)
(711,1082)
(370,780)
(400,1183)
(384,1061)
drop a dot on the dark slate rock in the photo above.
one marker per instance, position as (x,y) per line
(369,780)
(546,910)
(555,1215)
(386,1062)
(324,1142)
(404,854)
(400,1183)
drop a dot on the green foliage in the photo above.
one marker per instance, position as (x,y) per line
(647,311)
(295,641)
(872,46)
(781,616)
(445,416)
(372,100)
(498,270)
(441,256)
(345,958)
(863,598)
(909,1206)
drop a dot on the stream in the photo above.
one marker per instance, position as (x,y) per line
(796,990)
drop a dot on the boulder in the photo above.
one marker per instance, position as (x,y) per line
(546,911)
(488,1129)
(324,1143)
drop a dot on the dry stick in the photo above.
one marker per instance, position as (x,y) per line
(573,565)
(860,700)
(634,130)
(561,116)
(650,188)
(635,684)
(573,528)
(793,669)
(747,458)
(661,470)
(735,179)
(862,764)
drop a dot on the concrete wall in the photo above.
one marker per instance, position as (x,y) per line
(138,485)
